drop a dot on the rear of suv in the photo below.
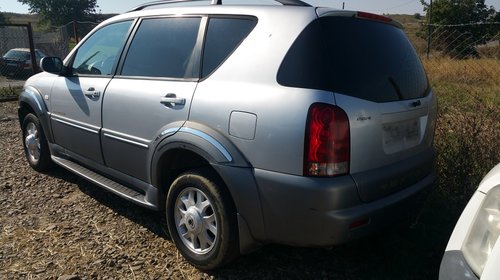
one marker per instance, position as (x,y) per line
(241,126)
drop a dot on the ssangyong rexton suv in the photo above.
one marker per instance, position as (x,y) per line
(243,124)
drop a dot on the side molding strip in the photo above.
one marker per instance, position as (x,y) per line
(74,125)
(126,141)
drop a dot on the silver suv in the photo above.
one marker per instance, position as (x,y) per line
(243,125)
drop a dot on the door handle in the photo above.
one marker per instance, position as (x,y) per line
(416,103)
(92,93)
(171,100)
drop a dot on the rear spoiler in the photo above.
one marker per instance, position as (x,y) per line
(328,12)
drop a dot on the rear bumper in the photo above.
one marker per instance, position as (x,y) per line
(321,211)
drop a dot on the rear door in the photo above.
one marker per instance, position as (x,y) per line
(379,81)
(152,91)
(372,70)
(77,97)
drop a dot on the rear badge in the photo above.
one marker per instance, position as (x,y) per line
(362,118)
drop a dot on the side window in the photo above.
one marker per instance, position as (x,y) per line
(98,54)
(164,47)
(223,36)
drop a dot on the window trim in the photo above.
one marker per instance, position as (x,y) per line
(197,47)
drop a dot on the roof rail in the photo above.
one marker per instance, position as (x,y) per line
(214,2)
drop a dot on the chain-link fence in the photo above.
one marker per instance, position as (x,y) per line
(463,66)
(462,41)
(15,47)
(21,48)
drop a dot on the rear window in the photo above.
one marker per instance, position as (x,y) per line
(360,58)
(21,55)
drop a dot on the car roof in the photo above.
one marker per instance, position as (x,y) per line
(214,3)
(23,49)
(20,49)
(215,10)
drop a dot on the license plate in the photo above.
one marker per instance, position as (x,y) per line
(401,135)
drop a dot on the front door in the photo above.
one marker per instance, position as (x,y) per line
(76,98)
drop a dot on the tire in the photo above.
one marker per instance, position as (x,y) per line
(201,219)
(35,144)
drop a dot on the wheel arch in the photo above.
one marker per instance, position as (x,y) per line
(189,148)
(31,101)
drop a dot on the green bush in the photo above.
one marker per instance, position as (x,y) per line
(9,91)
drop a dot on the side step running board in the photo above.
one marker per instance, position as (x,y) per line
(105,183)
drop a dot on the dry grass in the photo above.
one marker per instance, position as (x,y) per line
(468,131)
(479,72)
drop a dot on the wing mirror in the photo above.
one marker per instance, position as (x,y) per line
(52,65)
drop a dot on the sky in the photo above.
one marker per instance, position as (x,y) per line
(378,6)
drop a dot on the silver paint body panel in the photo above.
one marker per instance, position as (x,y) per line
(246,125)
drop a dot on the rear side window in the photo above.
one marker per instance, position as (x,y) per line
(223,36)
(364,59)
(164,47)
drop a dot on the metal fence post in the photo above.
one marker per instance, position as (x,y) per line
(34,66)
(75,31)
(429,38)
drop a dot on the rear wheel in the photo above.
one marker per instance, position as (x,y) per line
(201,219)
(35,144)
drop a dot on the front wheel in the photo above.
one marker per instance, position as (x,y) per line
(202,220)
(35,144)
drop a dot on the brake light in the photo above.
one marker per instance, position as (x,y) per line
(327,142)
(375,17)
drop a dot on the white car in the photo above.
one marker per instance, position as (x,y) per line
(473,251)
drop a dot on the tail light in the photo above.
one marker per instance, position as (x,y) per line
(327,143)
(374,17)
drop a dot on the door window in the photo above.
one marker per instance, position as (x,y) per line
(164,47)
(98,54)
(224,35)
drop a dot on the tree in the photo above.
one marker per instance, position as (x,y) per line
(60,12)
(3,20)
(459,25)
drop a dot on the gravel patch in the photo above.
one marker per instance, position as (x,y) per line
(59,226)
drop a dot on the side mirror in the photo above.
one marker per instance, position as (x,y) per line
(52,65)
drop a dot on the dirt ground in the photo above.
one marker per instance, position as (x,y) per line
(59,226)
